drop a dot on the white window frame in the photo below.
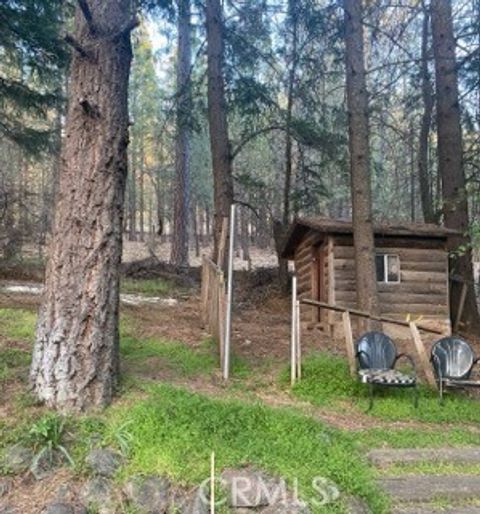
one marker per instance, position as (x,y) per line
(385,268)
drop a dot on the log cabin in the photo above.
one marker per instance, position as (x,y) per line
(412,270)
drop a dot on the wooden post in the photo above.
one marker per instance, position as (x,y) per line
(299,341)
(347,328)
(293,342)
(422,355)
(223,243)
(461,305)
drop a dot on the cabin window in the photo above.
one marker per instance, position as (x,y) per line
(387,268)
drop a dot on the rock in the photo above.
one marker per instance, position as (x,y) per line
(97,492)
(104,461)
(195,503)
(289,507)
(250,488)
(16,459)
(64,493)
(8,509)
(4,487)
(58,508)
(356,505)
(149,494)
(44,462)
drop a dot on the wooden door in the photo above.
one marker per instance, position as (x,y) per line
(320,283)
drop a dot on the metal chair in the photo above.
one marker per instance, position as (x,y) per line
(453,360)
(377,357)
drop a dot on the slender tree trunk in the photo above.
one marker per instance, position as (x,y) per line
(426,123)
(357,105)
(132,204)
(179,255)
(141,191)
(218,125)
(450,156)
(280,229)
(75,359)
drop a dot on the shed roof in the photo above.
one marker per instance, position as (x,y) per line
(343,226)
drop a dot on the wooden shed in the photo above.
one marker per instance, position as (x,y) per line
(411,267)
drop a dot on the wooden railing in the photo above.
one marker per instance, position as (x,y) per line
(213,298)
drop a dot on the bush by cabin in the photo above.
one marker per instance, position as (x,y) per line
(412,270)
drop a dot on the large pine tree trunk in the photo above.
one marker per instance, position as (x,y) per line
(427,99)
(357,105)
(218,125)
(450,155)
(75,359)
(179,255)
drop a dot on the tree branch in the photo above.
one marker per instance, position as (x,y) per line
(87,14)
(69,39)
(252,136)
(131,25)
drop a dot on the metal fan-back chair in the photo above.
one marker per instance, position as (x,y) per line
(453,360)
(377,357)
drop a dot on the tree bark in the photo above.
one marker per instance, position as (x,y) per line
(75,359)
(450,156)
(357,105)
(179,255)
(218,125)
(425,126)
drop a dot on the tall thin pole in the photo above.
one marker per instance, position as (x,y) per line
(293,373)
(228,317)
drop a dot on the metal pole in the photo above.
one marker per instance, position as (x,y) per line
(293,357)
(299,342)
(228,317)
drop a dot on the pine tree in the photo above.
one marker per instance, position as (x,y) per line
(32,58)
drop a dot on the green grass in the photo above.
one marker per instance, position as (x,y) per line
(174,431)
(17,324)
(326,380)
(174,356)
(147,287)
(12,359)
(435,436)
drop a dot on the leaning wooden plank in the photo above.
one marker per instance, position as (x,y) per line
(461,305)
(422,355)
(347,328)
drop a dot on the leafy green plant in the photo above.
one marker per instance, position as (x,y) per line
(46,434)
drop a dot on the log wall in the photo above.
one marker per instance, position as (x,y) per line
(422,291)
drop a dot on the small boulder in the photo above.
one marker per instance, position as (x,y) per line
(44,462)
(356,505)
(150,494)
(16,459)
(96,492)
(5,485)
(250,488)
(104,461)
(58,508)
(195,503)
(8,509)
(289,507)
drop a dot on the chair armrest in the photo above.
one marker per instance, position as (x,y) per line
(361,352)
(409,358)
(434,360)
(475,362)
